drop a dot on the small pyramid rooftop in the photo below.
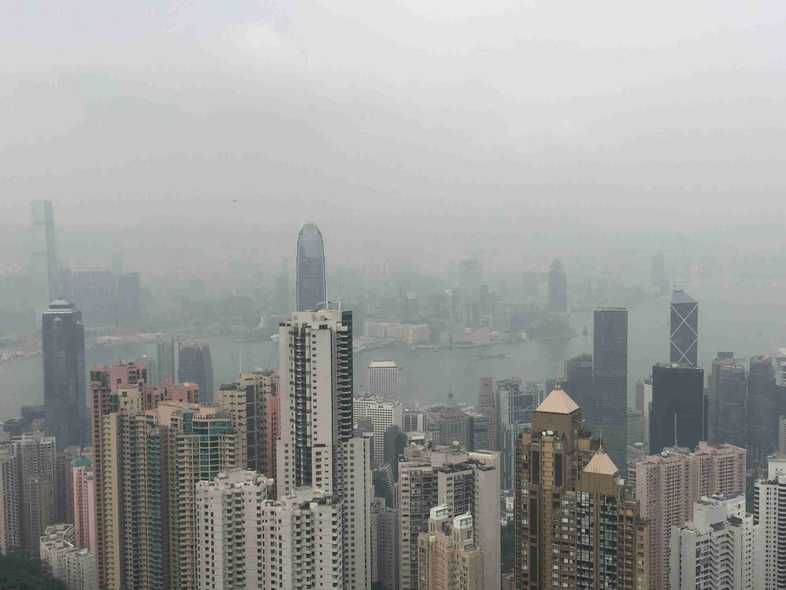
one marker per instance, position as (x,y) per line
(602,464)
(558,402)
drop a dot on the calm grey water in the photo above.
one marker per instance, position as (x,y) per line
(748,318)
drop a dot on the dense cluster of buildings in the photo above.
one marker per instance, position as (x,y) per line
(147,476)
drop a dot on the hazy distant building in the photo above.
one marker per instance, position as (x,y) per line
(384,378)
(195,365)
(677,413)
(487,405)
(46,268)
(63,343)
(387,548)
(95,293)
(579,384)
(558,288)
(166,361)
(668,485)
(129,299)
(311,283)
(684,341)
(610,375)
(658,273)
(716,549)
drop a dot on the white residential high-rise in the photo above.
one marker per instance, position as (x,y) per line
(769,513)
(384,379)
(715,551)
(383,414)
(74,566)
(316,448)
(465,483)
(246,540)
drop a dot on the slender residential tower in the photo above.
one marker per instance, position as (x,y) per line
(311,285)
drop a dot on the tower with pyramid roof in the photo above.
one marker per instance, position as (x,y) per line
(575,526)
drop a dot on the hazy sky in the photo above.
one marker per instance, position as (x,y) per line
(403,120)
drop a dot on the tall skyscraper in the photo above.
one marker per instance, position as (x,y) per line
(677,414)
(714,551)
(44,260)
(763,410)
(384,378)
(575,527)
(311,282)
(769,515)
(728,407)
(610,376)
(63,343)
(558,288)
(166,361)
(195,365)
(684,329)
(464,483)
(487,405)
(516,403)
(668,485)
(448,557)
(316,448)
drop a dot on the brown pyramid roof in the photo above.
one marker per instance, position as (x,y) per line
(601,463)
(558,402)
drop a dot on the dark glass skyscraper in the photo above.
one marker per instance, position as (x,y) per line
(558,288)
(196,366)
(677,415)
(684,329)
(311,284)
(63,342)
(728,402)
(579,384)
(610,376)
(763,410)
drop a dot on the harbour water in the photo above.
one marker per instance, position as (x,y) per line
(747,320)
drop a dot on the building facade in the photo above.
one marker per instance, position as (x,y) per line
(311,285)
(677,415)
(65,391)
(668,485)
(448,558)
(610,380)
(684,340)
(195,365)
(383,414)
(769,514)
(462,481)
(716,549)
(384,378)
